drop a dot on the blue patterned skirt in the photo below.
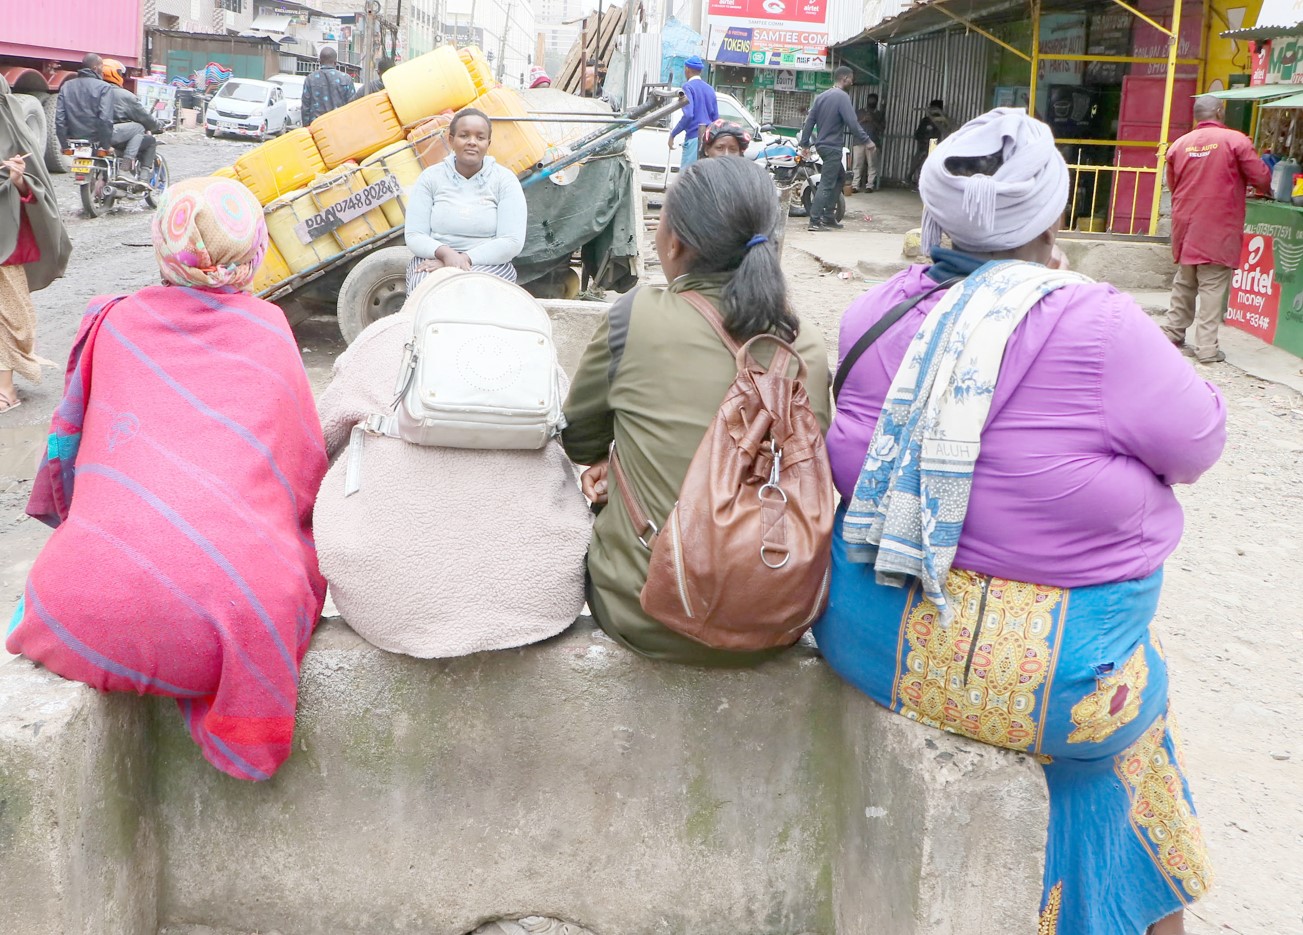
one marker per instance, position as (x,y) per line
(1070,676)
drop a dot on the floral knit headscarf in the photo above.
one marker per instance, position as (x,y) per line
(209,232)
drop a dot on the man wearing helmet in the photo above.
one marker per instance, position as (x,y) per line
(132,125)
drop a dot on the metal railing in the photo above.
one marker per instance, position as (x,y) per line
(1106,198)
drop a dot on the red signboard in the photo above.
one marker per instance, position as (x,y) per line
(1260,57)
(784,11)
(1254,301)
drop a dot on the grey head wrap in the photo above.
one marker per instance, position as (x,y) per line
(43,212)
(988,213)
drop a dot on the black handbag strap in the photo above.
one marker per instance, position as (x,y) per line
(876,331)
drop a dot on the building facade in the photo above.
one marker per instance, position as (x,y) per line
(776,55)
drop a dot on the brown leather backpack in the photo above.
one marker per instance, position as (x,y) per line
(742,561)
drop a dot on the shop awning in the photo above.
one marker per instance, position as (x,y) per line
(1276,18)
(271,22)
(1258,92)
(936,15)
(1294,100)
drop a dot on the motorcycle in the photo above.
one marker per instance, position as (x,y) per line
(790,167)
(95,173)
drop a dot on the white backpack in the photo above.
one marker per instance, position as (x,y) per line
(480,371)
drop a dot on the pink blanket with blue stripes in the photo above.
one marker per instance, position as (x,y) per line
(182,466)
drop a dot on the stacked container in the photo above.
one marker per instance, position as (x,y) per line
(356,130)
(430,139)
(225,172)
(307,170)
(335,186)
(280,166)
(518,146)
(283,215)
(478,67)
(400,161)
(272,270)
(429,84)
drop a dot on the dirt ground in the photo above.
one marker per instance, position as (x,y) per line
(1236,676)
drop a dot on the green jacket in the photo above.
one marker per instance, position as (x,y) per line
(652,379)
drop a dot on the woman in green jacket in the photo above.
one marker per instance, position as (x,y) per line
(655,373)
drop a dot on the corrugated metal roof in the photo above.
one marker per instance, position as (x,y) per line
(1276,18)
(927,17)
(1294,100)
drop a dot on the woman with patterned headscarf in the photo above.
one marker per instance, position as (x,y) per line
(1006,442)
(180,474)
(724,138)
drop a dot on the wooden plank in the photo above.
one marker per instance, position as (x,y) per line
(594,45)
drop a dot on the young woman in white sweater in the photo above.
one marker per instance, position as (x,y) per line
(467,212)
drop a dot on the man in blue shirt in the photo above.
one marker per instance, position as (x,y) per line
(701,111)
(831,115)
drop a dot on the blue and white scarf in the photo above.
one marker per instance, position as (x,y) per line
(912,493)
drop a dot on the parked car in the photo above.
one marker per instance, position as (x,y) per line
(245,107)
(292,86)
(650,145)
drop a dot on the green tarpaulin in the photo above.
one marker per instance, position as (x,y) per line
(597,212)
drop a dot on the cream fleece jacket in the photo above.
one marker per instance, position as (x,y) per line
(443,551)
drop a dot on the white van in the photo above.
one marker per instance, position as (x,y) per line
(245,107)
(292,86)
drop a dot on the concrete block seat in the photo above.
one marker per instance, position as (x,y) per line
(570,779)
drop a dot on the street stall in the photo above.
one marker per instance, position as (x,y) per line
(1266,297)
(1266,294)
(1114,79)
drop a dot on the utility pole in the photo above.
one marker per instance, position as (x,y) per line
(502,43)
(370,23)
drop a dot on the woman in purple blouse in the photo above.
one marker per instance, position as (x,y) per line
(1006,451)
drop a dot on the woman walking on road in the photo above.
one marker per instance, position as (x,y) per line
(1006,453)
(34,246)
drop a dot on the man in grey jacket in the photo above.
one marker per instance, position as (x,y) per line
(831,116)
(132,125)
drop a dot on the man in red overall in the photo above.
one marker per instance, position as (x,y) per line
(1207,171)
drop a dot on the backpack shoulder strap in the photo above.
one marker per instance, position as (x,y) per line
(642,523)
(713,318)
(879,327)
(782,355)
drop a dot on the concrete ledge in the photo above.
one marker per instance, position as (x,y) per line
(1128,265)
(570,779)
(573,324)
(78,850)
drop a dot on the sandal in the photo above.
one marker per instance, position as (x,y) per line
(9,402)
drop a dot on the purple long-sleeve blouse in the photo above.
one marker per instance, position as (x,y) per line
(1095,415)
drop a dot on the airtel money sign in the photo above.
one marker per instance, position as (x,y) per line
(1254,300)
(777,12)
(790,34)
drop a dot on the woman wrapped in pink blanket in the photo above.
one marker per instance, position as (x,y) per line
(182,465)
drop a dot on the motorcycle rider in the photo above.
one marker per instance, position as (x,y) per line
(84,108)
(133,127)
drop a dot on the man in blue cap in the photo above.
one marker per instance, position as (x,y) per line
(701,111)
